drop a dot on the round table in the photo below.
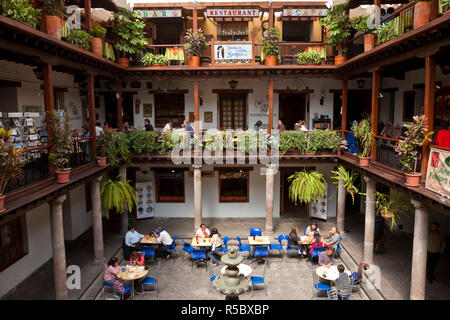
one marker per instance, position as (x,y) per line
(131,274)
(244,269)
(330,274)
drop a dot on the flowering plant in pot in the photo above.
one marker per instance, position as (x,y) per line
(10,163)
(339,28)
(194,46)
(98,34)
(364,136)
(20,10)
(62,146)
(367,27)
(271,46)
(348,179)
(409,146)
(129,27)
(54,10)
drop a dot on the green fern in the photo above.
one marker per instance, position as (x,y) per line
(348,178)
(118,195)
(306,186)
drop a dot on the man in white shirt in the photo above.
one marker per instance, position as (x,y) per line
(203,231)
(98,129)
(168,126)
(163,237)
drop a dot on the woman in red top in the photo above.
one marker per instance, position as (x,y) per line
(316,243)
(136,257)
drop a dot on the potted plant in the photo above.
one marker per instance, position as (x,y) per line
(361,23)
(105,141)
(409,146)
(98,34)
(10,163)
(386,32)
(348,180)
(54,10)
(62,147)
(306,186)
(422,12)
(293,141)
(79,38)
(20,10)
(309,57)
(194,46)
(323,140)
(150,59)
(129,27)
(391,207)
(364,137)
(339,27)
(118,195)
(271,46)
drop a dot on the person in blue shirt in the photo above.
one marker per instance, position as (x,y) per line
(188,128)
(133,238)
(257,125)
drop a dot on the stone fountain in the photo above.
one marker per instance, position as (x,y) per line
(231,284)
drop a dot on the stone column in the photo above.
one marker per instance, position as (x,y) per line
(370,220)
(97,229)
(341,207)
(269,199)
(419,256)
(124,217)
(197,196)
(59,250)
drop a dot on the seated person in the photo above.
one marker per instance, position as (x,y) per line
(112,269)
(326,258)
(333,238)
(163,237)
(342,280)
(317,243)
(215,247)
(310,230)
(203,231)
(133,238)
(296,243)
(137,258)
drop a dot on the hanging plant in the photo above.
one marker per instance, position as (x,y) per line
(306,186)
(118,195)
(392,206)
(348,179)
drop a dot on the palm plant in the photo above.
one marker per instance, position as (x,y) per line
(118,195)
(364,135)
(10,160)
(348,179)
(306,186)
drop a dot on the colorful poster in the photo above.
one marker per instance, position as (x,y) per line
(310,12)
(319,209)
(145,194)
(232,12)
(233,53)
(160,13)
(438,174)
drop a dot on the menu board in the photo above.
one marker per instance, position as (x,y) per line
(145,193)
(319,209)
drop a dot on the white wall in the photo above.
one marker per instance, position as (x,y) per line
(75,218)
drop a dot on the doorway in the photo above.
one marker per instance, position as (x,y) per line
(110,109)
(233,111)
(127,108)
(359,103)
(169,106)
(292,108)
(288,207)
(168,31)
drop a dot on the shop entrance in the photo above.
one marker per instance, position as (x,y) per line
(292,108)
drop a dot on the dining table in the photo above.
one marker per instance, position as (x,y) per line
(329,274)
(149,240)
(257,241)
(132,273)
(202,242)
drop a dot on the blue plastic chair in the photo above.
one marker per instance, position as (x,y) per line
(149,281)
(212,277)
(149,252)
(318,286)
(259,281)
(243,248)
(255,232)
(122,294)
(225,247)
(187,248)
(338,248)
(199,256)
(278,246)
(173,248)
(290,250)
(260,253)
(304,232)
(107,285)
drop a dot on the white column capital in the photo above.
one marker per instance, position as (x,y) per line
(367,179)
(98,179)
(417,204)
(59,200)
(197,166)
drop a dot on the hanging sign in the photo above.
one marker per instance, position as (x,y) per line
(233,53)
(438,174)
(311,12)
(160,13)
(232,12)
(145,200)
(319,208)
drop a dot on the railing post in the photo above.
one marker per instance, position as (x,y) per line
(194,17)
(434,9)
(375,110)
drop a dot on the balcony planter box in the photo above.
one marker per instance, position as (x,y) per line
(422,11)
(369,42)
(53,26)
(194,61)
(339,60)
(364,161)
(101,161)
(97,46)
(124,62)
(62,176)
(412,179)
(271,60)
(2,203)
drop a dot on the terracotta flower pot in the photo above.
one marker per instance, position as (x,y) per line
(101,161)
(422,11)
(339,60)
(271,60)
(62,176)
(413,179)
(351,191)
(364,161)
(386,215)
(194,61)
(124,62)
(97,46)
(369,42)
(2,203)
(53,26)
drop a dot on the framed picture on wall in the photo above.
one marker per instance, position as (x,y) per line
(148,110)
(191,117)
(208,116)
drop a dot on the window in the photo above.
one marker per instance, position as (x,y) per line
(12,242)
(233,186)
(169,186)
(408,105)
(233,111)
(169,106)
(232,31)
(297,31)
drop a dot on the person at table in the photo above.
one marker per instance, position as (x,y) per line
(147,126)
(311,230)
(127,128)
(281,126)
(133,238)
(326,258)
(317,243)
(333,238)
(296,243)
(203,232)
(216,246)
(112,269)
(168,126)
(343,279)
(137,258)
(164,238)
(186,125)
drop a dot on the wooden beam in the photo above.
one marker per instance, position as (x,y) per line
(271,17)
(87,15)
(194,19)
(375,110)
(119,106)
(344,107)
(270,109)
(49,100)
(91,108)
(428,108)
(196,109)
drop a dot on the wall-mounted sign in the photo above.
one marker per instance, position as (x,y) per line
(319,208)
(145,200)
(311,12)
(232,12)
(233,53)
(160,13)
(438,174)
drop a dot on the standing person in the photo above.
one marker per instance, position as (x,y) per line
(342,280)
(98,129)
(257,125)
(84,145)
(163,237)
(215,246)
(168,126)
(281,126)
(436,247)
(203,232)
(188,128)
(147,126)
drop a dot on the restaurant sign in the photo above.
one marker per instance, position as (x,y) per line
(311,12)
(160,13)
(438,174)
(232,12)
(233,53)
